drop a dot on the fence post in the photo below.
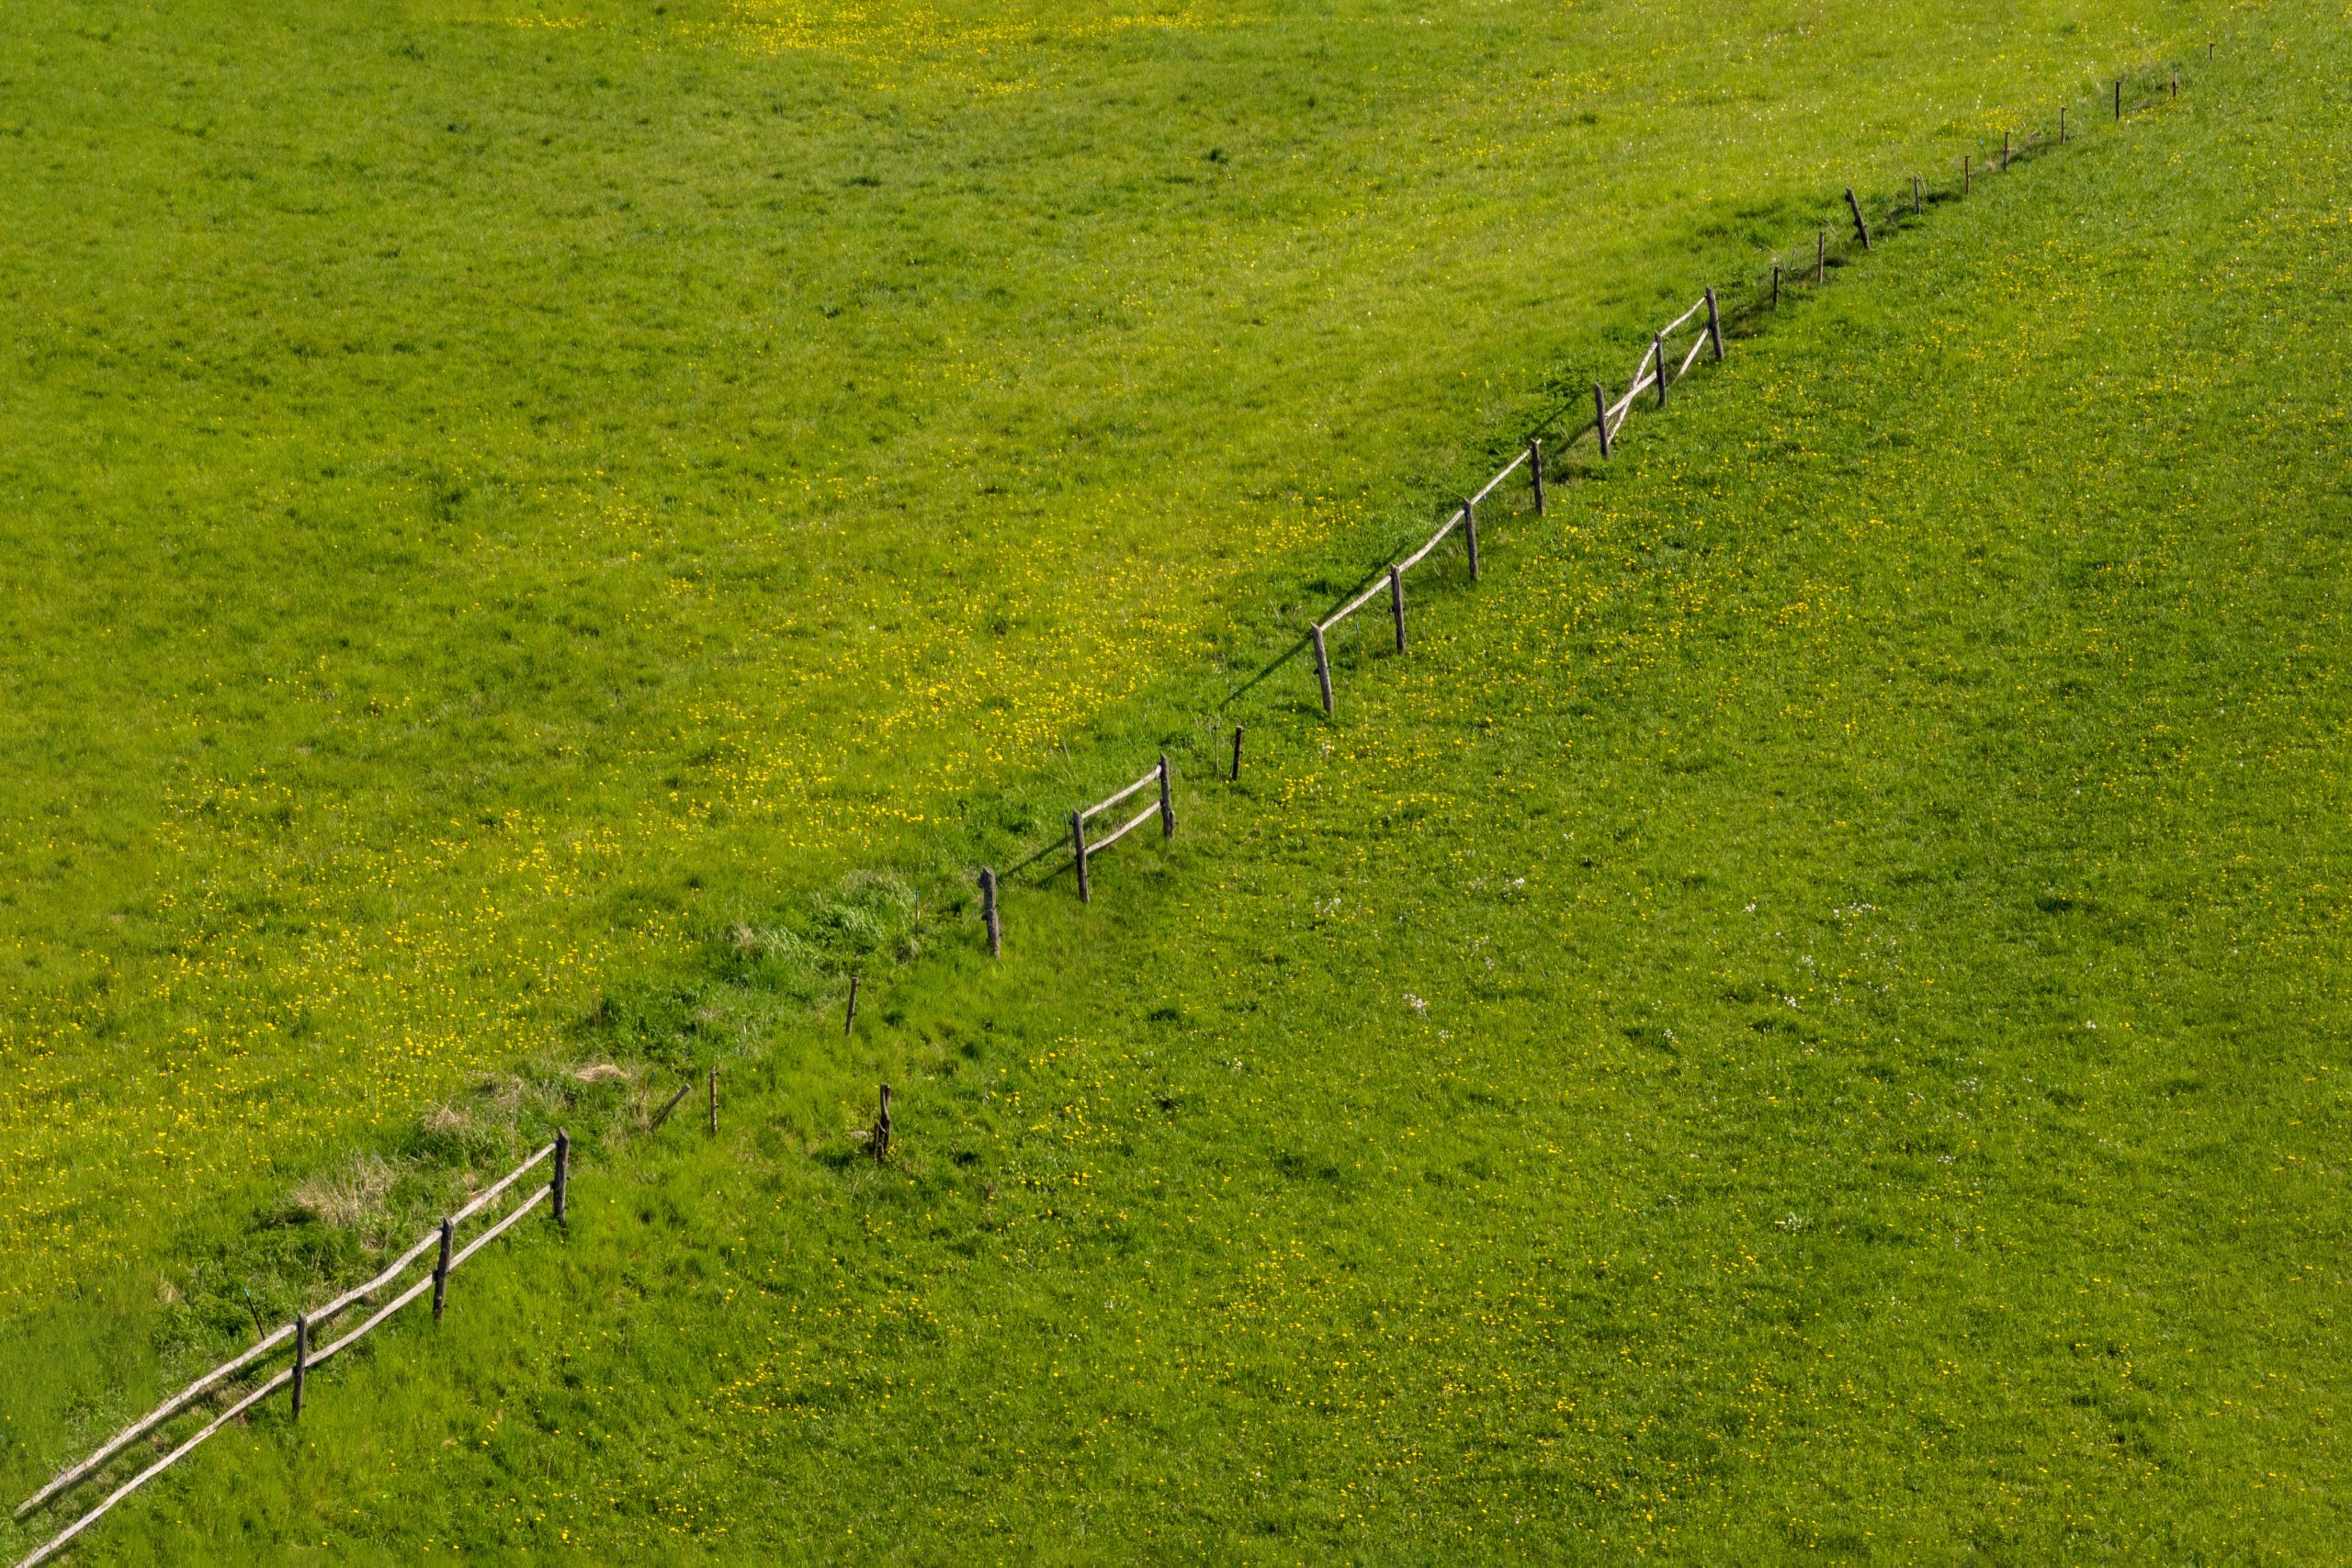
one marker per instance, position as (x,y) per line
(441,1268)
(1078,842)
(2005,151)
(1821,257)
(1776,284)
(881,1139)
(1715,324)
(2176,81)
(1860,229)
(2061,125)
(714,1102)
(1967,175)
(301,1358)
(987,912)
(1396,604)
(1657,352)
(1322,675)
(1916,208)
(1535,467)
(1600,416)
(562,1182)
(1167,801)
(849,1013)
(1236,755)
(2119,99)
(1470,534)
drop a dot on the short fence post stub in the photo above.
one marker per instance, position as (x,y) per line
(1536,470)
(561,1185)
(1861,230)
(441,1268)
(1601,414)
(849,1013)
(1077,844)
(880,1137)
(1470,534)
(301,1358)
(2176,81)
(714,1102)
(1167,800)
(987,912)
(1657,352)
(1236,755)
(1396,604)
(1715,324)
(1322,676)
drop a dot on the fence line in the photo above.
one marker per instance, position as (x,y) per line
(1164,808)
(300,1330)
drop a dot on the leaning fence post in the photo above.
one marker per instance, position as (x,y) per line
(441,1268)
(1236,755)
(987,912)
(1470,534)
(1535,468)
(1600,416)
(881,1136)
(301,1358)
(1714,325)
(1396,604)
(849,1013)
(561,1185)
(1078,843)
(1322,676)
(1861,230)
(1167,801)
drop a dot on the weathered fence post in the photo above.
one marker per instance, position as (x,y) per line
(881,1136)
(1322,676)
(849,1013)
(441,1268)
(1536,470)
(2176,81)
(714,1102)
(1600,416)
(1776,283)
(1657,352)
(1078,847)
(1916,207)
(987,912)
(1715,324)
(1821,257)
(2119,97)
(1167,800)
(561,1185)
(2061,125)
(301,1358)
(1967,175)
(1861,230)
(2005,151)
(1470,534)
(1396,604)
(1237,754)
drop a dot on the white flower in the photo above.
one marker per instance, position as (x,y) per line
(1415,1003)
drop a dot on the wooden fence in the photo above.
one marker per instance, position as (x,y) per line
(1165,808)
(300,1332)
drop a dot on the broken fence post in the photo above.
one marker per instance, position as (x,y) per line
(987,912)
(1167,800)
(1396,604)
(1861,230)
(441,1268)
(1323,678)
(1715,324)
(1078,843)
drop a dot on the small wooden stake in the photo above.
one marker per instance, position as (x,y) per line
(1861,230)
(1820,258)
(1322,676)
(2005,151)
(849,1014)
(2208,49)
(2119,97)
(560,1188)
(714,1102)
(1657,352)
(1601,401)
(2176,81)
(1237,754)
(1536,470)
(1714,325)
(2062,127)
(880,1139)
(987,912)
(1167,800)
(1915,195)
(1470,535)
(441,1269)
(1396,604)
(1776,283)
(301,1358)
(1967,175)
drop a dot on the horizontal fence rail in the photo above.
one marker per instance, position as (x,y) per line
(1164,808)
(300,1332)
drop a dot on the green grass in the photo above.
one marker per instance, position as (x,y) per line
(490,500)
(1803,1019)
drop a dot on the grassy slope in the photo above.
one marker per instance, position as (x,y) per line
(484,495)
(1873,867)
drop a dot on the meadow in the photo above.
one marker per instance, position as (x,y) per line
(1802,1019)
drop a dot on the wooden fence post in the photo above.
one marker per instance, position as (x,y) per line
(441,1268)
(1967,175)
(987,912)
(1601,412)
(301,1358)
(1167,801)
(1916,207)
(1536,469)
(1861,228)
(562,1182)
(849,1013)
(1470,534)
(1078,843)
(1821,258)
(2176,81)
(1322,675)
(1237,754)
(714,1102)
(881,1137)
(2005,151)
(1396,604)
(1715,324)
(2061,125)
(1776,283)
(2119,99)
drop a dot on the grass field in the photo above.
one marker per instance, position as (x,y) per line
(1804,1018)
